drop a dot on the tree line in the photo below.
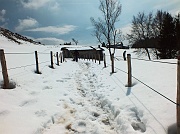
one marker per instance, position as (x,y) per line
(157,34)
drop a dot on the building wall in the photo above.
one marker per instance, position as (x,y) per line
(87,54)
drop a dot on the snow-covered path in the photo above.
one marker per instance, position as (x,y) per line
(85,113)
(90,111)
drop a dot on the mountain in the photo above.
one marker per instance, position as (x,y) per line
(15,37)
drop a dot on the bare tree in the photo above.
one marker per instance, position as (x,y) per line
(75,41)
(104,29)
(142,31)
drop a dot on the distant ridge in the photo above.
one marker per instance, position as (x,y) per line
(15,37)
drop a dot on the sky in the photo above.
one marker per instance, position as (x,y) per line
(54,22)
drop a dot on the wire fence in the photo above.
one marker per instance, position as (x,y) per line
(19,53)
(117,83)
(156,61)
(27,53)
(119,58)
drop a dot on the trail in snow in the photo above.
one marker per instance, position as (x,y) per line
(90,111)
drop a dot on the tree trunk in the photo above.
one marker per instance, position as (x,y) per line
(148,53)
(112,62)
(156,54)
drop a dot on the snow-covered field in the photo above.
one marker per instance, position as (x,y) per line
(84,97)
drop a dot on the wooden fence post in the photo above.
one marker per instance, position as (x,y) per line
(95,57)
(57,58)
(104,60)
(37,64)
(60,56)
(63,57)
(99,57)
(4,69)
(178,94)
(129,70)
(51,54)
(112,61)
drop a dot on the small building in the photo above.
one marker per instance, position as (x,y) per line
(84,52)
(118,46)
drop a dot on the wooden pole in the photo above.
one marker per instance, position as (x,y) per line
(99,57)
(129,70)
(95,58)
(4,69)
(51,54)
(178,95)
(112,61)
(104,60)
(57,58)
(37,63)
(60,55)
(63,57)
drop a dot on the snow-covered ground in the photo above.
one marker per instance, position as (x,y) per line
(84,97)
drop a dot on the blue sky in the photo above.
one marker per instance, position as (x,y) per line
(58,21)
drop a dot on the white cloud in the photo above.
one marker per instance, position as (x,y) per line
(36,4)
(172,7)
(2,14)
(26,24)
(50,41)
(89,27)
(55,29)
(126,29)
(54,7)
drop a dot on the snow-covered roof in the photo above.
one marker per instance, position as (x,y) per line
(82,48)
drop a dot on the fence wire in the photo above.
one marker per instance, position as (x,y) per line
(150,87)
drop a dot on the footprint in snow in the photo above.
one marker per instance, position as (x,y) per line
(34,93)
(4,112)
(47,87)
(27,103)
(59,81)
(79,126)
(40,113)
(139,126)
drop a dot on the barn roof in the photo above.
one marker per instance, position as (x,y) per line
(80,48)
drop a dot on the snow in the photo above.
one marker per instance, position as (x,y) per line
(84,97)
(78,47)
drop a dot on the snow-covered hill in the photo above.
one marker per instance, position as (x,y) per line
(84,97)
(15,37)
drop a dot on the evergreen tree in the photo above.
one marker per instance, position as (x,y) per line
(177,21)
(167,38)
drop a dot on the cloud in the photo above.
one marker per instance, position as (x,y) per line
(36,4)
(54,7)
(50,41)
(2,14)
(89,27)
(126,29)
(26,24)
(172,7)
(55,29)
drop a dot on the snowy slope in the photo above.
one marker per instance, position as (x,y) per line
(84,97)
